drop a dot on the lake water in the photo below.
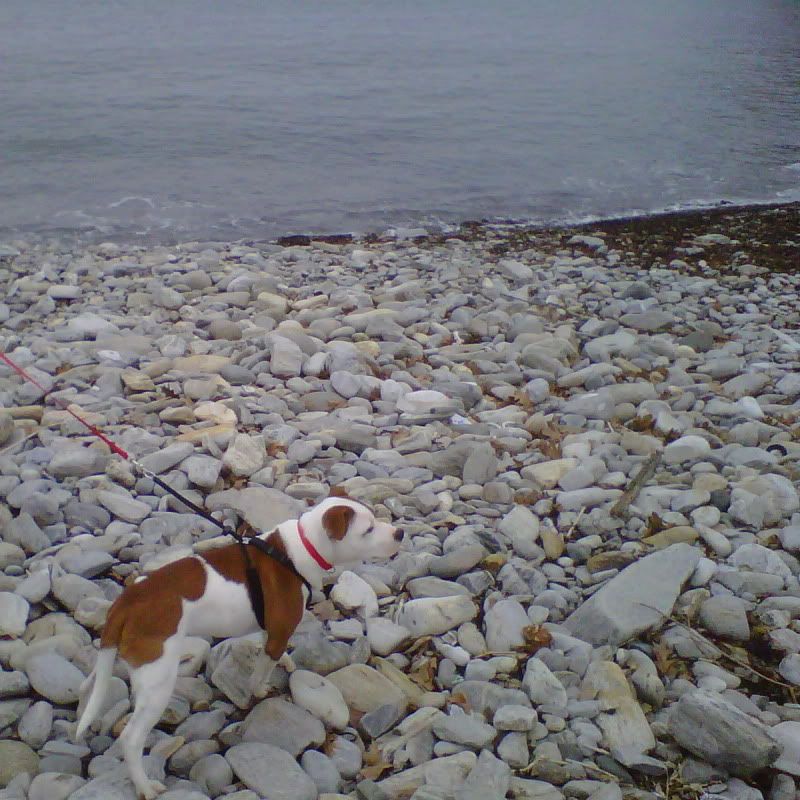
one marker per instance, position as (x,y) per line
(252,118)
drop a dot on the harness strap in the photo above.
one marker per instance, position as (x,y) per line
(246,536)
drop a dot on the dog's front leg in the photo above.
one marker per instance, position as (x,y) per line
(275,655)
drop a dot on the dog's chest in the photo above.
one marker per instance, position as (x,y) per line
(223,610)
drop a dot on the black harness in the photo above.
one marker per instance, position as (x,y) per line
(254,590)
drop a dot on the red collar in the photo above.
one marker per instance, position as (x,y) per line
(312,551)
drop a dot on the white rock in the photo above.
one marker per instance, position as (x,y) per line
(687,448)
(504,623)
(385,636)
(522,527)
(13,614)
(787,735)
(245,455)
(320,697)
(353,593)
(435,615)
(423,401)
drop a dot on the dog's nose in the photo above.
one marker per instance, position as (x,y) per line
(398,535)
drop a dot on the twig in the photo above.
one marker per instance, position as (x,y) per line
(620,508)
(720,651)
(575,524)
(10,447)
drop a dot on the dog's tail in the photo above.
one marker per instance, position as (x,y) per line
(95,686)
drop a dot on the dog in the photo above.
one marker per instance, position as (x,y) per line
(207,595)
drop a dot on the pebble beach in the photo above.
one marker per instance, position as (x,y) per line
(590,436)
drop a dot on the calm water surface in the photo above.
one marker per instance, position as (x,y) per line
(208,119)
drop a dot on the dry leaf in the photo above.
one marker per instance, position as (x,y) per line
(459,699)
(423,674)
(326,611)
(665,661)
(494,562)
(376,765)
(535,637)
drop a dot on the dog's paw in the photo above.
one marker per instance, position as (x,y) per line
(151,790)
(287,663)
(261,691)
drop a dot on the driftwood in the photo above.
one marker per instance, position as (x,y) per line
(620,508)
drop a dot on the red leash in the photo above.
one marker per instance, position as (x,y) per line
(254,587)
(115,448)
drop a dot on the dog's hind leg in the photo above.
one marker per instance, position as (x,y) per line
(152,685)
(93,690)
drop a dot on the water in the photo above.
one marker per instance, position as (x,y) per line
(252,118)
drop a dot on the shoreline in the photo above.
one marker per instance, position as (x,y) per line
(774,221)
(590,436)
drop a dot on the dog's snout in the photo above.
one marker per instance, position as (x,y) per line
(398,535)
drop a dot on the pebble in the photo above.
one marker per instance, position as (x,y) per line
(14,612)
(436,615)
(320,697)
(270,772)
(718,732)
(286,725)
(495,408)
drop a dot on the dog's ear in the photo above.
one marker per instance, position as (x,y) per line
(337,520)
(338,491)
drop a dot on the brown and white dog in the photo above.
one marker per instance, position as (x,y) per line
(206,595)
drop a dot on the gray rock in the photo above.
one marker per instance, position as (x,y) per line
(321,770)
(168,457)
(286,360)
(225,329)
(481,465)
(77,462)
(276,722)
(489,779)
(54,786)
(36,723)
(377,722)
(467,729)
(541,685)
(687,448)
(622,720)
(53,677)
(25,533)
(263,508)
(504,623)
(346,756)
(16,758)
(13,684)
(725,616)
(635,600)
(212,774)
(164,297)
(270,772)
(123,505)
(716,731)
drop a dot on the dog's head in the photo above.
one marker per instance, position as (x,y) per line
(349,531)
